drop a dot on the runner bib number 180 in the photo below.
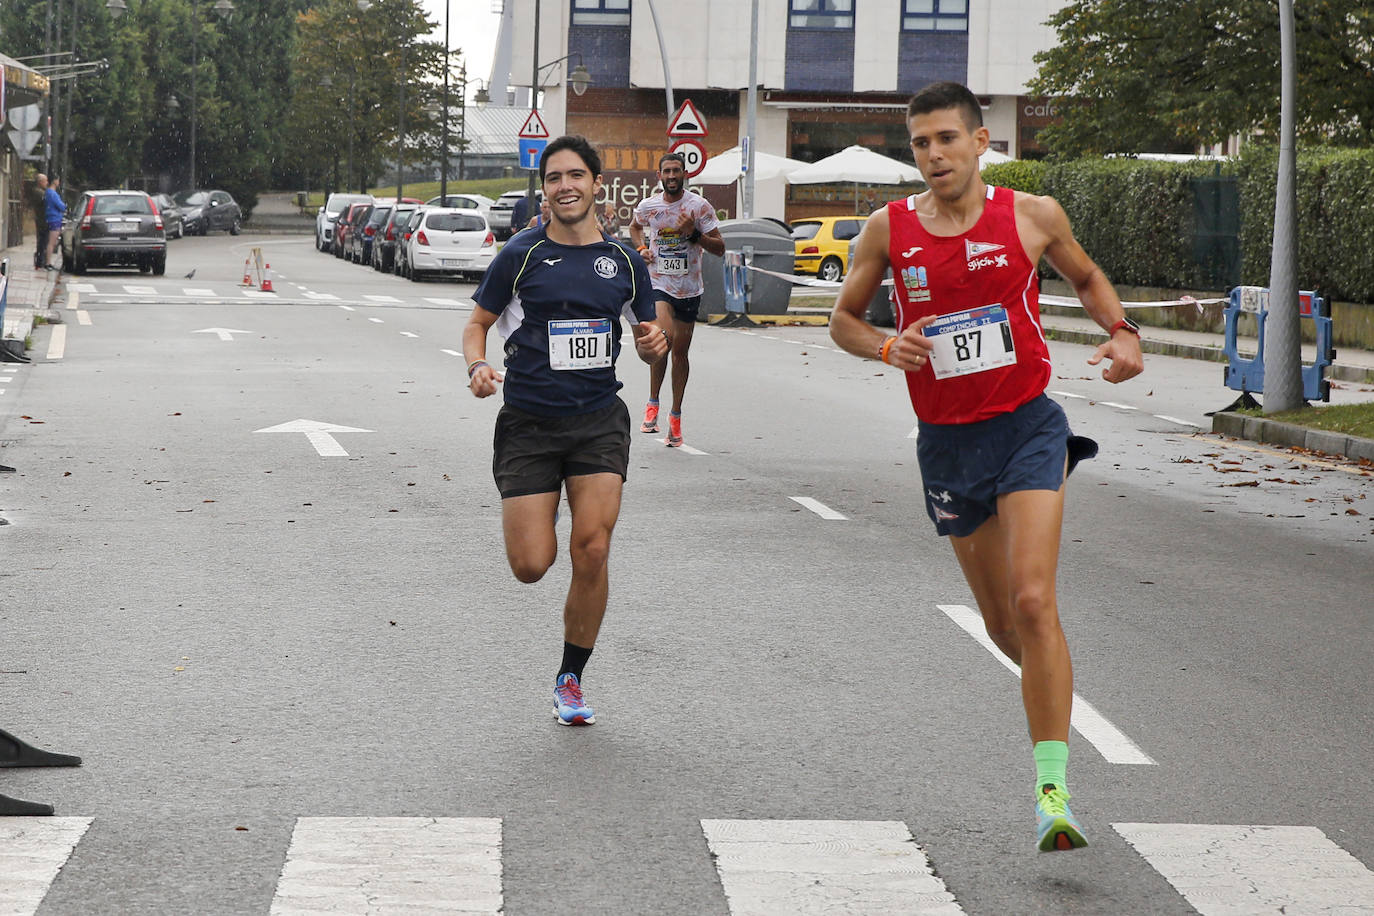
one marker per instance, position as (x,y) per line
(973,341)
(577,344)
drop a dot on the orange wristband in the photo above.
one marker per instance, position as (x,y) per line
(883,350)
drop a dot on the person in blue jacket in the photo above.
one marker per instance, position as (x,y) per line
(56,209)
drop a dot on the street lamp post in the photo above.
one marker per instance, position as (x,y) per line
(443,146)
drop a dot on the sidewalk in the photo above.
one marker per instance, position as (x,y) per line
(28,293)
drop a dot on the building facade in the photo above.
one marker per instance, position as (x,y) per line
(831,74)
(21,91)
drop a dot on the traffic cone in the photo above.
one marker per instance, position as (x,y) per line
(267,279)
(247,278)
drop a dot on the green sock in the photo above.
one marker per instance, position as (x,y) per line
(1051,764)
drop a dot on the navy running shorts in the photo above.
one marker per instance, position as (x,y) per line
(966,466)
(533,454)
(685,309)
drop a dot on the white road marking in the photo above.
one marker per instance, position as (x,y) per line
(83,317)
(81,287)
(1240,870)
(1070,394)
(376,321)
(391,864)
(381,298)
(441,301)
(32,852)
(73,300)
(57,343)
(683,448)
(915,432)
(811,867)
(1110,741)
(347,308)
(198,292)
(141,290)
(1168,419)
(259,294)
(450,352)
(409,334)
(318,434)
(819,508)
(1117,406)
(224,333)
(322,297)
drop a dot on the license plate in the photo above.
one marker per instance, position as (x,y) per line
(454,262)
(121,227)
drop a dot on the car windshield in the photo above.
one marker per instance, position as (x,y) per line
(192,198)
(455,222)
(121,204)
(803,231)
(379,214)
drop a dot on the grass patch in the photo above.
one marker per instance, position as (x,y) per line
(1350,419)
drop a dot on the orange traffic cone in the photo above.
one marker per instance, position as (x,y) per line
(247,278)
(267,279)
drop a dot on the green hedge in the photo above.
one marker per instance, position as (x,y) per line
(1135,217)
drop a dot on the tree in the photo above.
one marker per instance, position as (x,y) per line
(1146,75)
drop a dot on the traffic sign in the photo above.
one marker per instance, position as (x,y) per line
(686,121)
(531,148)
(693,156)
(534,127)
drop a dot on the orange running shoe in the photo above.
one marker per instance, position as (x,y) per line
(650,424)
(674,430)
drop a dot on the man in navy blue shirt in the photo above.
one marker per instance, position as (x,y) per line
(557,294)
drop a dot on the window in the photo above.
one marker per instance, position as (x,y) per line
(121,204)
(803,232)
(847,229)
(456,222)
(822,14)
(601,12)
(934,15)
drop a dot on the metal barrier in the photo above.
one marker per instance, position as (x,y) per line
(735,281)
(1247,375)
(4,291)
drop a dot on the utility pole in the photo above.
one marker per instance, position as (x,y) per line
(443,146)
(751,118)
(532,207)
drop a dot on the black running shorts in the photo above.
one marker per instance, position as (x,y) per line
(685,308)
(533,454)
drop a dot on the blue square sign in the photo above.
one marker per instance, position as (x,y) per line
(530,151)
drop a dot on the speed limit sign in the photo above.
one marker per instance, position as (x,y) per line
(693,156)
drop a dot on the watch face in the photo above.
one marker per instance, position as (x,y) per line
(1131,324)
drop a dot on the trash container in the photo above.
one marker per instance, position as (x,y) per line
(773,250)
(879,311)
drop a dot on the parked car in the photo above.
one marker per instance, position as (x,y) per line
(346,223)
(203,211)
(499,216)
(172,216)
(114,228)
(822,244)
(401,263)
(451,241)
(384,242)
(333,208)
(360,242)
(462,201)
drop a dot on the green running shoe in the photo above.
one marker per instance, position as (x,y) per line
(1058,829)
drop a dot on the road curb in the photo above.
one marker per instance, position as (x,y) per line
(1291,435)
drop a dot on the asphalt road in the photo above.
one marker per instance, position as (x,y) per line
(243,630)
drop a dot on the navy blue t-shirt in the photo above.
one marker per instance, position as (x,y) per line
(571,298)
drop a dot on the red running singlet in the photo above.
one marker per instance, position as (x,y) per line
(990,354)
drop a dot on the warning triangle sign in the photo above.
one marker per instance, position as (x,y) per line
(687,121)
(534,127)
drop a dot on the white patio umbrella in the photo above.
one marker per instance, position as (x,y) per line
(992,157)
(724,167)
(856,164)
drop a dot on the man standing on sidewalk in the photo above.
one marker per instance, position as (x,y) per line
(679,225)
(557,294)
(994,451)
(39,204)
(55,208)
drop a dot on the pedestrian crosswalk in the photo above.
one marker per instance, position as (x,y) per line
(283,292)
(765,867)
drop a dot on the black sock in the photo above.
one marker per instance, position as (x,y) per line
(574,659)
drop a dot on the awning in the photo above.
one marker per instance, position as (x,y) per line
(23,85)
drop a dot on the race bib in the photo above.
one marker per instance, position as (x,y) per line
(973,341)
(575,344)
(671,253)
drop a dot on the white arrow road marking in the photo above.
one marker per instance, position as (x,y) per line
(1110,742)
(224,333)
(812,867)
(451,352)
(1234,868)
(32,852)
(391,864)
(819,508)
(318,434)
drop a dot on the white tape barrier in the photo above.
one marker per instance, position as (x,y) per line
(1065,301)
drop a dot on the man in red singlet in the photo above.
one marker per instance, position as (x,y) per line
(994,451)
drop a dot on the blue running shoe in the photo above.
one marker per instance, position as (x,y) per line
(568,704)
(1058,830)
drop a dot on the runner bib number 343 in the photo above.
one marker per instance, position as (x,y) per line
(971,341)
(576,344)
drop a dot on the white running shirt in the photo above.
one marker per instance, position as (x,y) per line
(676,267)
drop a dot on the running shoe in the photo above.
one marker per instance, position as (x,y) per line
(568,704)
(1058,829)
(650,424)
(674,431)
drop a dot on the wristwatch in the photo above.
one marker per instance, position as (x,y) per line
(1126,323)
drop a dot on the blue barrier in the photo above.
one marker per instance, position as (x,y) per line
(1247,375)
(4,291)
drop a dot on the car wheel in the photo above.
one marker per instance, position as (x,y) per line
(144,267)
(234,227)
(319,243)
(78,262)
(160,266)
(831,269)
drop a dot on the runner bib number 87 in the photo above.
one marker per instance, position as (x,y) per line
(972,341)
(575,344)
